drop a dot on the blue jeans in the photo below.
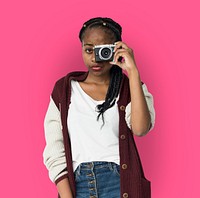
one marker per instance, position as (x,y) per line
(97,180)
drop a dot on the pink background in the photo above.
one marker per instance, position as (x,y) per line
(39,44)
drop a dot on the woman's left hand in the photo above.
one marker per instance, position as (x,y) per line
(127,61)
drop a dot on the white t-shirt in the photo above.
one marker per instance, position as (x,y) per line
(90,139)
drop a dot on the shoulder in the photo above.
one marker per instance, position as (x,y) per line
(76,75)
(62,84)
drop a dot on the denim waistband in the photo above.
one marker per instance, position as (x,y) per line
(97,179)
(96,165)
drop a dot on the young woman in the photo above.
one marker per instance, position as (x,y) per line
(92,119)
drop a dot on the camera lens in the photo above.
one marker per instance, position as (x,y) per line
(105,53)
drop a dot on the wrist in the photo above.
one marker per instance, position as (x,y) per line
(133,73)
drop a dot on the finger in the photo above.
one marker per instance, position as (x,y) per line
(120,53)
(119,64)
(121,45)
(121,50)
(129,51)
(119,57)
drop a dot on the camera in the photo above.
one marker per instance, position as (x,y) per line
(104,52)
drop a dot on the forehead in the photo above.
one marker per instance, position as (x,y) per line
(97,36)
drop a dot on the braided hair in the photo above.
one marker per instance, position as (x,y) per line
(114,29)
(106,23)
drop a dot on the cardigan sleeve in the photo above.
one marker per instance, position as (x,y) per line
(54,154)
(150,104)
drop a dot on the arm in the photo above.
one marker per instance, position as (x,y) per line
(63,188)
(150,103)
(54,153)
(140,116)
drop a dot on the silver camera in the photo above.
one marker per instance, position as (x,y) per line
(104,52)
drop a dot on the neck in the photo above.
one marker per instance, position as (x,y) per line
(101,80)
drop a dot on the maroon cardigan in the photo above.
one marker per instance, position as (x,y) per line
(133,183)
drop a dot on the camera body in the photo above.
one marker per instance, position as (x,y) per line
(104,52)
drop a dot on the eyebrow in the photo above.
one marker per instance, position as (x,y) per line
(88,44)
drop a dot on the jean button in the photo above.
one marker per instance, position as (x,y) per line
(89,165)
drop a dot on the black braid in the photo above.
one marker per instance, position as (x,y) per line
(102,22)
(115,72)
(113,91)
